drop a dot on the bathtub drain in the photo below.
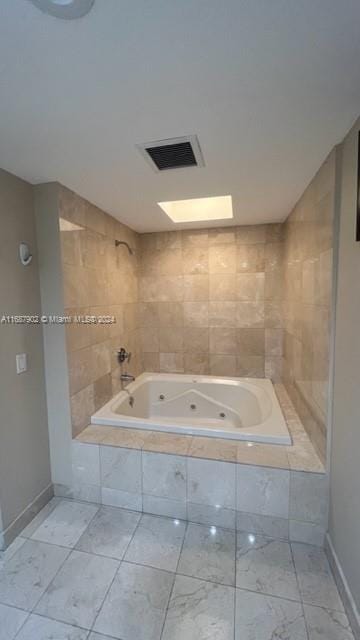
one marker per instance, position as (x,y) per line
(193,407)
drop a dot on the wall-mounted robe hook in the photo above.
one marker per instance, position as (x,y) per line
(24,253)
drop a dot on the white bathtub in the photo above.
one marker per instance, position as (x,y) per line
(234,408)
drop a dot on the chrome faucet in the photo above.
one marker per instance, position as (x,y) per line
(125,356)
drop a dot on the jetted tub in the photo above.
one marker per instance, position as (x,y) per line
(234,408)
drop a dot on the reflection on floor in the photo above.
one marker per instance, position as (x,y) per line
(80,572)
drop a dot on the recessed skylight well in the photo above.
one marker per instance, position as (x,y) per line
(198,209)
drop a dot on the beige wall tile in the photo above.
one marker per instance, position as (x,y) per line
(149,339)
(273,314)
(170,314)
(222,235)
(274,342)
(250,314)
(222,314)
(196,340)
(161,289)
(82,408)
(274,289)
(250,286)
(151,362)
(307,298)
(250,366)
(195,259)
(275,232)
(222,258)
(222,365)
(250,258)
(172,362)
(81,372)
(102,391)
(196,237)
(250,342)
(222,340)
(197,363)
(196,288)
(274,368)
(171,339)
(223,287)
(101,359)
(273,256)
(98,280)
(252,234)
(148,314)
(196,314)
(76,284)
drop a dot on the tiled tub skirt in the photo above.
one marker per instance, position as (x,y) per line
(277,502)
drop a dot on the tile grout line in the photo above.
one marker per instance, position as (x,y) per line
(116,574)
(298,585)
(173,584)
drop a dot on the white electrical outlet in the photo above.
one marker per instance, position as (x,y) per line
(21,362)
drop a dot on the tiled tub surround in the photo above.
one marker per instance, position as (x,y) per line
(99,279)
(308,250)
(210,301)
(270,490)
(91,572)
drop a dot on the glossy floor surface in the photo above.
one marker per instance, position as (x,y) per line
(83,572)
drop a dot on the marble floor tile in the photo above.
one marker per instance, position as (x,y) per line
(98,636)
(39,628)
(265,565)
(40,517)
(27,574)
(76,594)
(136,603)
(260,617)
(209,553)
(324,624)
(199,610)
(109,532)
(65,524)
(11,620)
(157,542)
(316,583)
(11,550)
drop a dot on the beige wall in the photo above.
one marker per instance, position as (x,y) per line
(99,279)
(345,450)
(24,447)
(210,301)
(308,253)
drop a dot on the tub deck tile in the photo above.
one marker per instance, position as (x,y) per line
(126,438)
(262,455)
(214,449)
(160,442)
(94,433)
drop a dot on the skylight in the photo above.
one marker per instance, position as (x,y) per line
(198,209)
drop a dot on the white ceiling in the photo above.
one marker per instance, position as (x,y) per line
(269,86)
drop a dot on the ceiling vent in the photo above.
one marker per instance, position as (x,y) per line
(173,153)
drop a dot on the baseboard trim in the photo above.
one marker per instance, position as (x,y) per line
(344,589)
(9,534)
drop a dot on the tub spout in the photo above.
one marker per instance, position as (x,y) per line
(127,377)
